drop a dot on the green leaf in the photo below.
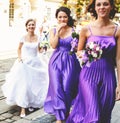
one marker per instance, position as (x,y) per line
(75,35)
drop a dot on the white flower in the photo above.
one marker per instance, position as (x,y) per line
(91,45)
(94,55)
(101,51)
(92,52)
(97,48)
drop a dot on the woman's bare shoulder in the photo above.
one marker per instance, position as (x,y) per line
(85,30)
(118,31)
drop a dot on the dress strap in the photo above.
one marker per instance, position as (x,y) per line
(73,30)
(90,29)
(115,30)
(54,30)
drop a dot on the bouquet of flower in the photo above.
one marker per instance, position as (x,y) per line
(45,45)
(92,52)
(74,42)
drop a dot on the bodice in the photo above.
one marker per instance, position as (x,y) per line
(29,49)
(65,44)
(107,43)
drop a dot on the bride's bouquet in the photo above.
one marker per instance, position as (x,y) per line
(91,53)
(45,45)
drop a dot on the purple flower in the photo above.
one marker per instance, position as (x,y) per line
(74,44)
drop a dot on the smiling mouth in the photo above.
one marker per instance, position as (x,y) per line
(102,12)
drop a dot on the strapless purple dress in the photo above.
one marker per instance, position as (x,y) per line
(97,83)
(64,72)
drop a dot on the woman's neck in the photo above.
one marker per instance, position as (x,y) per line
(31,37)
(102,22)
(31,34)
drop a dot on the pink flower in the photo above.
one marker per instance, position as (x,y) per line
(92,51)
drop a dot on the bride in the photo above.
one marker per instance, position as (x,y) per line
(27,82)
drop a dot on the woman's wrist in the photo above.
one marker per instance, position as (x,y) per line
(57,34)
(19,59)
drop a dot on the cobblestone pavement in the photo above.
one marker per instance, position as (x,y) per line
(10,114)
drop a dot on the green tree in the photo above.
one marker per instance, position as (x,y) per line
(117,3)
(80,7)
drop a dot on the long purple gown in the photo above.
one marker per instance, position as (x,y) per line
(97,83)
(63,80)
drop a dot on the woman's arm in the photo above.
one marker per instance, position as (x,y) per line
(82,39)
(118,64)
(54,36)
(40,48)
(19,50)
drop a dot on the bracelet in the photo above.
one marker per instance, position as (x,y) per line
(20,60)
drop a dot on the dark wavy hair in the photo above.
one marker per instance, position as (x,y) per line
(68,12)
(91,9)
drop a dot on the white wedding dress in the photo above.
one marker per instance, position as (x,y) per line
(27,82)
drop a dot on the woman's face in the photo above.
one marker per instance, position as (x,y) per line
(62,17)
(103,8)
(31,26)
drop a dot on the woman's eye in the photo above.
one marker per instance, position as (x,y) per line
(102,4)
(59,16)
(98,4)
(105,4)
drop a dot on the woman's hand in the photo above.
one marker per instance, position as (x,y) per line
(118,93)
(79,53)
(60,26)
(20,60)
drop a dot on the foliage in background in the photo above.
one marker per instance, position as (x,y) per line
(117,3)
(80,7)
(64,3)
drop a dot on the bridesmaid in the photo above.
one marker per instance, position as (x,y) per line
(63,68)
(97,85)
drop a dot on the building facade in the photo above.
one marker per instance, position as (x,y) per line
(14,13)
(17,11)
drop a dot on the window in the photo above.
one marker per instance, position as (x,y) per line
(11,13)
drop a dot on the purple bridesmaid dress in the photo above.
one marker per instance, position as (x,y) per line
(63,80)
(97,83)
